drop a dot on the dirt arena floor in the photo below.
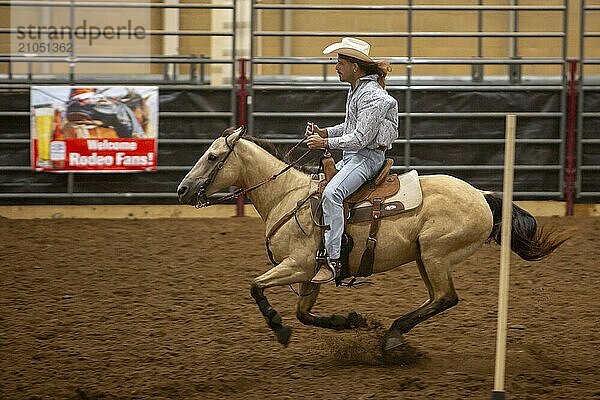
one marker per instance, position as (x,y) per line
(161,309)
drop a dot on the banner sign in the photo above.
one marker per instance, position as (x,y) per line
(94,129)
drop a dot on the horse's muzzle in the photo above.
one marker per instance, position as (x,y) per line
(187,196)
(182,192)
(192,194)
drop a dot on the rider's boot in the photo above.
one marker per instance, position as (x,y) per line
(328,272)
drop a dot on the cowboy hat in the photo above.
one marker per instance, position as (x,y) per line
(350,47)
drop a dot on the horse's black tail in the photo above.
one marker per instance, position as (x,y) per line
(527,240)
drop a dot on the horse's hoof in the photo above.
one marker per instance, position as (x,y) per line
(355,320)
(284,334)
(393,342)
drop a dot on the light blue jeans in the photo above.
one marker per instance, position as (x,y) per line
(354,169)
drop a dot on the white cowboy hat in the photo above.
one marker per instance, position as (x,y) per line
(350,47)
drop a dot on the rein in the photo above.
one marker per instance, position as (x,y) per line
(243,191)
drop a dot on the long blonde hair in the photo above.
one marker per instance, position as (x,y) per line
(379,68)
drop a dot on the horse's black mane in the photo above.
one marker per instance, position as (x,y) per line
(266,145)
(279,152)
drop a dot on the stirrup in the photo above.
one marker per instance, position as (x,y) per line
(328,272)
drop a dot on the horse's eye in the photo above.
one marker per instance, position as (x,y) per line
(212,157)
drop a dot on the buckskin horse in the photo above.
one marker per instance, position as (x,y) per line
(451,223)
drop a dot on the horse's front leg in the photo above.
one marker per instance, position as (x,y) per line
(285,273)
(308,296)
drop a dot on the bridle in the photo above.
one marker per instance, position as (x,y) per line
(202,199)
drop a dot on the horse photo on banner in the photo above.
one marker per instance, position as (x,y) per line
(94,128)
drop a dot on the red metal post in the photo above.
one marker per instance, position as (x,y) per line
(570,161)
(242,117)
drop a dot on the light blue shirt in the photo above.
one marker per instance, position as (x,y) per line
(371,118)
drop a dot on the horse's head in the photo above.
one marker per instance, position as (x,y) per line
(139,106)
(209,174)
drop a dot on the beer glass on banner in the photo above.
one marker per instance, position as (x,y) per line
(43,131)
(58,148)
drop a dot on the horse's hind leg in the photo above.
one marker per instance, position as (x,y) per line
(307,299)
(435,272)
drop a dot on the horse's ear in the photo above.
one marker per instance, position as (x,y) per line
(228,131)
(232,130)
(237,134)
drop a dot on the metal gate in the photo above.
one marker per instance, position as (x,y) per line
(588,127)
(541,103)
(449,123)
(186,126)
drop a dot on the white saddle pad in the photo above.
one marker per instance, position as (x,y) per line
(409,195)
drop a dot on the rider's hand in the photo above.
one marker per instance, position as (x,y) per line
(312,128)
(309,129)
(315,141)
